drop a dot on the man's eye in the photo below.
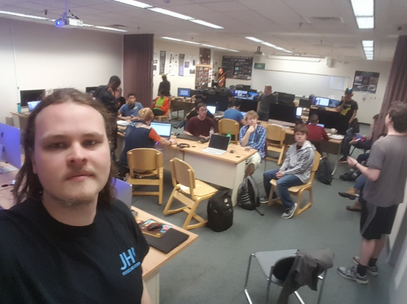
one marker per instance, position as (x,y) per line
(56,146)
(90,142)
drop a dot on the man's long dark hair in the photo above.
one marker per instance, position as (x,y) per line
(27,182)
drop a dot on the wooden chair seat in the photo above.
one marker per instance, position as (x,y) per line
(275,137)
(188,191)
(298,190)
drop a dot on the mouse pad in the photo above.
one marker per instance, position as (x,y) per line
(171,239)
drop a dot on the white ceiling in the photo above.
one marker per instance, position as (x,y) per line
(290,24)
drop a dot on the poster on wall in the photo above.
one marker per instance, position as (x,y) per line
(238,67)
(221,78)
(189,65)
(365,81)
(203,76)
(204,56)
(172,64)
(162,62)
(181,65)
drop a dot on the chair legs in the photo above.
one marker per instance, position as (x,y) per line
(299,200)
(246,292)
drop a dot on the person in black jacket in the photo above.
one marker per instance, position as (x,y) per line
(164,87)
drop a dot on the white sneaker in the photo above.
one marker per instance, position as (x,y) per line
(289,213)
(264,200)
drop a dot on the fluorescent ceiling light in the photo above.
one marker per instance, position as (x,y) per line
(365,22)
(135,3)
(24,15)
(368,48)
(173,39)
(170,13)
(204,23)
(207,45)
(269,44)
(109,28)
(363,7)
(254,39)
(367,43)
(190,42)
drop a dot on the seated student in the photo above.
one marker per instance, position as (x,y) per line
(295,171)
(140,135)
(160,105)
(201,124)
(193,113)
(234,113)
(129,111)
(254,136)
(315,132)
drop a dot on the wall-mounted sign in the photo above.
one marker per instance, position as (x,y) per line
(365,81)
(259,66)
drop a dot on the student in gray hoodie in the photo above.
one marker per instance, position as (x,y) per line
(295,171)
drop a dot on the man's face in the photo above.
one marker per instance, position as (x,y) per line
(202,112)
(131,100)
(251,120)
(114,86)
(71,153)
(267,91)
(348,96)
(300,138)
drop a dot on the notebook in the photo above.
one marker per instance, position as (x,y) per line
(162,129)
(170,240)
(218,144)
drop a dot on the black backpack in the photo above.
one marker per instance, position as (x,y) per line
(324,172)
(220,211)
(248,194)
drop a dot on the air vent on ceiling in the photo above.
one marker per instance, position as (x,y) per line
(331,20)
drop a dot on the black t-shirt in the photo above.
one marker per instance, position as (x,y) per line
(108,100)
(265,102)
(348,109)
(45,261)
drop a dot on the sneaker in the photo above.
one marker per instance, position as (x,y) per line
(289,213)
(351,273)
(342,160)
(372,270)
(346,176)
(264,200)
(349,195)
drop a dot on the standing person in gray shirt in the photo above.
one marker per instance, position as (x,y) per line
(263,106)
(383,192)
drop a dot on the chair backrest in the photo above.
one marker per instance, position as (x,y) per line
(275,134)
(182,173)
(123,191)
(229,125)
(317,159)
(144,160)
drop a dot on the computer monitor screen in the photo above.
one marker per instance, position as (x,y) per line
(10,144)
(298,112)
(240,94)
(32,105)
(31,95)
(283,112)
(305,103)
(211,109)
(322,101)
(90,89)
(243,113)
(162,129)
(333,103)
(252,95)
(182,92)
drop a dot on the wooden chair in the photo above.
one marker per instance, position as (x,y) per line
(226,125)
(188,191)
(144,163)
(165,116)
(298,190)
(275,142)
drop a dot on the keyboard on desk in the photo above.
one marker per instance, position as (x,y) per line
(189,137)
(214,151)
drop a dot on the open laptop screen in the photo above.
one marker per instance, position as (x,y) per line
(211,109)
(32,104)
(322,101)
(162,129)
(219,142)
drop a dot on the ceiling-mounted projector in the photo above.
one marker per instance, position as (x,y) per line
(66,21)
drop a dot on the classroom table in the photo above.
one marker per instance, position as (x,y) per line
(225,170)
(156,259)
(332,146)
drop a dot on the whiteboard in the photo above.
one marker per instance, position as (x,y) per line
(300,84)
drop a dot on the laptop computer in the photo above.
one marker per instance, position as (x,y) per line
(32,104)
(218,144)
(211,109)
(162,129)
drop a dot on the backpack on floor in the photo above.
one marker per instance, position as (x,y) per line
(324,172)
(248,194)
(220,211)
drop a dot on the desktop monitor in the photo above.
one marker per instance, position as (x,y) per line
(305,103)
(32,105)
(286,97)
(298,112)
(90,90)
(333,103)
(240,94)
(31,95)
(10,145)
(283,113)
(162,129)
(211,109)
(183,92)
(322,101)
(252,95)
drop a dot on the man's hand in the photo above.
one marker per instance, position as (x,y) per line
(351,161)
(251,129)
(204,137)
(279,174)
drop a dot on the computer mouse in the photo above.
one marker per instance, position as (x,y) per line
(154,226)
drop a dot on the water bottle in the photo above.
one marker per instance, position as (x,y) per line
(230,136)
(19,108)
(210,132)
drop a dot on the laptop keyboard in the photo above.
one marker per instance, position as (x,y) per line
(189,137)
